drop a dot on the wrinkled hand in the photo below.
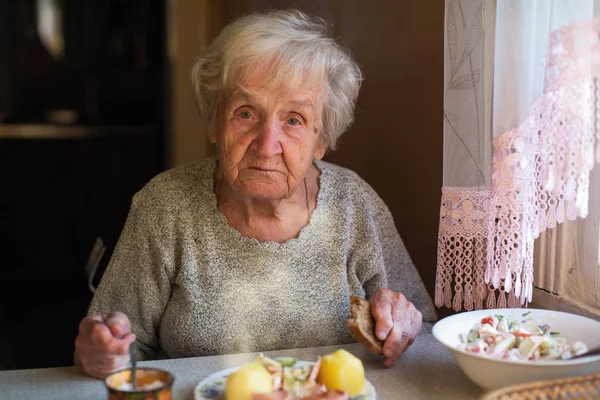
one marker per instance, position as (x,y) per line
(103,343)
(397,323)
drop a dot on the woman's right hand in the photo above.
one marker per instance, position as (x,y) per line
(103,343)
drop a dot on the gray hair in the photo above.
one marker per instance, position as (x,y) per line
(294,46)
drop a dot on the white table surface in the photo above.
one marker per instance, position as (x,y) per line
(425,371)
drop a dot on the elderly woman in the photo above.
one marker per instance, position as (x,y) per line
(260,247)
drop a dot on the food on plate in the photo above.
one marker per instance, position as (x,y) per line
(498,337)
(343,371)
(336,376)
(362,325)
(291,381)
(248,379)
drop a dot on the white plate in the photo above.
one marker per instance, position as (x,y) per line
(213,386)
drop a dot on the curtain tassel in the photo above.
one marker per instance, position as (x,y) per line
(502,300)
(572,209)
(491,300)
(478,300)
(468,300)
(439,296)
(447,296)
(560,212)
(457,304)
(551,218)
(513,300)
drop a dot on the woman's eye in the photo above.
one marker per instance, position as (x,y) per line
(245,115)
(293,121)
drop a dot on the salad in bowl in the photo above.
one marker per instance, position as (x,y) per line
(502,347)
(518,339)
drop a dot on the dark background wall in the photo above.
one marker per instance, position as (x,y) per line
(80,133)
(57,194)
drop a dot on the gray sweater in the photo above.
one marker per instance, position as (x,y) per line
(193,286)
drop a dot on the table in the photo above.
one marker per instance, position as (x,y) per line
(425,371)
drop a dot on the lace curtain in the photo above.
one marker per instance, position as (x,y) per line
(519,133)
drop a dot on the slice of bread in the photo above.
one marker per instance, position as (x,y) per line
(362,325)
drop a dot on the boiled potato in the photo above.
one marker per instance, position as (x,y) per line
(248,379)
(341,370)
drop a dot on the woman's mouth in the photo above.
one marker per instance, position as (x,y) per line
(262,169)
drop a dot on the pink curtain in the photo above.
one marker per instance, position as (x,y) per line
(520,126)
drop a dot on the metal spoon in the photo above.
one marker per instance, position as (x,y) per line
(133,354)
(591,352)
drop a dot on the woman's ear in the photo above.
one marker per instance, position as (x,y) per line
(320,149)
(212,132)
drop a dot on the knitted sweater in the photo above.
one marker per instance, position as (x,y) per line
(193,286)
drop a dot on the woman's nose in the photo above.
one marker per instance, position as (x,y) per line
(267,141)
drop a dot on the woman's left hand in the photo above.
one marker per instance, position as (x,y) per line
(397,323)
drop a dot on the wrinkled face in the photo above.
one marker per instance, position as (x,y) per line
(267,137)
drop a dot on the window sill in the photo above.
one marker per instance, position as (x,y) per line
(549,301)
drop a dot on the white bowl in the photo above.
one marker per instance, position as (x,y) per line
(491,373)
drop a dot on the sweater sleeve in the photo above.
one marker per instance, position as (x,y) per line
(402,274)
(382,259)
(138,278)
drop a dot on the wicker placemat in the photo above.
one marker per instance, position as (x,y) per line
(575,387)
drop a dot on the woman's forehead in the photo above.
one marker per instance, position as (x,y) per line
(259,87)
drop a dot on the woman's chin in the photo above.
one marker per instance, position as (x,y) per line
(264,191)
